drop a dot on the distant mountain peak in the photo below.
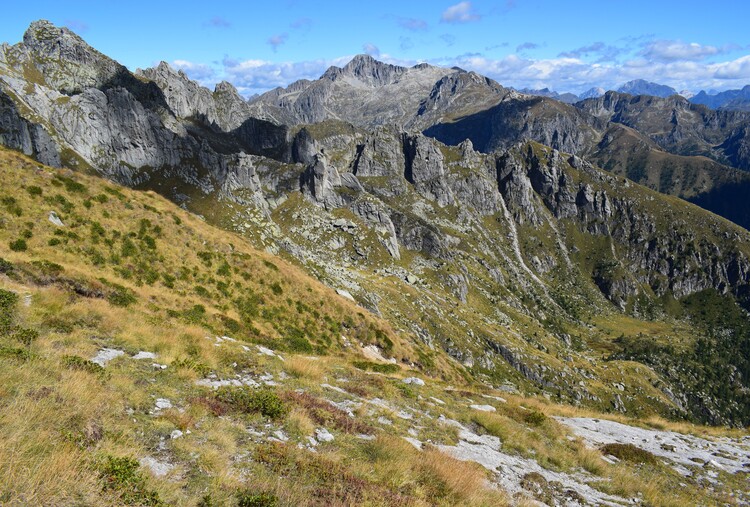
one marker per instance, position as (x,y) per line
(643,87)
(593,93)
(367,69)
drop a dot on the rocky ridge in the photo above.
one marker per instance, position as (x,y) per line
(508,249)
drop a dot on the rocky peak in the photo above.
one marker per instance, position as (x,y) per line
(226,87)
(65,61)
(367,69)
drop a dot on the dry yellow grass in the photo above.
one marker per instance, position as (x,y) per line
(312,368)
(299,423)
(56,422)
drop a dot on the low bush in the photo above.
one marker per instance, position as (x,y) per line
(377,367)
(253,499)
(123,475)
(251,401)
(628,452)
(81,364)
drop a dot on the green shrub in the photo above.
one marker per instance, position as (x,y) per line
(377,367)
(149,242)
(251,499)
(12,206)
(123,475)
(81,364)
(224,269)
(194,315)
(190,363)
(27,234)
(72,185)
(65,205)
(115,192)
(202,291)
(34,190)
(628,452)
(19,245)
(48,268)
(25,336)
(128,248)
(295,341)
(276,288)
(168,280)
(205,257)
(383,341)
(534,417)
(5,266)
(97,231)
(270,265)
(54,241)
(8,301)
(121,296)
(14,353)
(251,401)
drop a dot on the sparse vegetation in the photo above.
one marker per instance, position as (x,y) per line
(73,420)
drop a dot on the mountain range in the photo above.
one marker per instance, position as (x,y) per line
(730,100)
(490,238)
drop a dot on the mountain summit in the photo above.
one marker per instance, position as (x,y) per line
(642,87)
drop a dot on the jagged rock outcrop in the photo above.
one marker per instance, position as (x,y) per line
(376,214)
(29,138)
(223,109)
(425,170)
(322,182)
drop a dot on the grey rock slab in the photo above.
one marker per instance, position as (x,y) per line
(345,294)
(682,450)
(163,404)
(323,435)
(509,470)
(52,217)
(483,408)
(144,355)
(105,355)
(157,468)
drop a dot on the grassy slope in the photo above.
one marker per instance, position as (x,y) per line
(124,272)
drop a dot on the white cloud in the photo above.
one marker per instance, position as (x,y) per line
(277,40)
(258,76)
(736,69)
(371,49)
(462,12)
(674,50)
(563,73)
(200,72)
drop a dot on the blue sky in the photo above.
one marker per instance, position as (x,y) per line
(567,46)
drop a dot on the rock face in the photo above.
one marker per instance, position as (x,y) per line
(677,125)
(29,138)
(65,103)
(224,109)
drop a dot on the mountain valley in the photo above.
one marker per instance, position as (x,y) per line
(388,286)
